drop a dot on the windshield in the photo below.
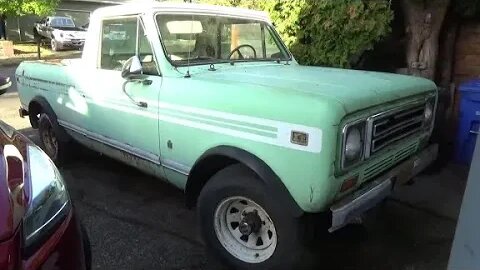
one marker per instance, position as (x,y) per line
(198,39)
(62,22)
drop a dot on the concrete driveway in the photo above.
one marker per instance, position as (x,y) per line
(138,222)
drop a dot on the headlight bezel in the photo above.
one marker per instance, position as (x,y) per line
(49,202)
(361,125)
(432,102)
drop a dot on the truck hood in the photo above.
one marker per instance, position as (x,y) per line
(354,89)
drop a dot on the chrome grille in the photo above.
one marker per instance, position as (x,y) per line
(389,128)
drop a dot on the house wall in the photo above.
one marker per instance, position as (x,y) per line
(20,28)
(467,55)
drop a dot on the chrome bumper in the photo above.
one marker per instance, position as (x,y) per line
(6,86)
(72,43)
(353,206)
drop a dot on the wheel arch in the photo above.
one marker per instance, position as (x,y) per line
(219,158)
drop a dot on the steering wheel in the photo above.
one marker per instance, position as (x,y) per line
(240,55)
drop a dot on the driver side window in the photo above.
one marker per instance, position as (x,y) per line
(123,38)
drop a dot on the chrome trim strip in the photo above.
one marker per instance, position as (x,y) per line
(48,221)
(113,143)
(400,108)
(175,166)
(6,86)
(369,134)
(403,110)
(398,126)
(411,132)
(413,110)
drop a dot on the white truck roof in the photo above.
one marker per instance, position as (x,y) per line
(153,6)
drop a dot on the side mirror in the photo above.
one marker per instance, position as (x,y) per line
(132,69)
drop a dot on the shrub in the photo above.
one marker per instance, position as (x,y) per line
(325,32)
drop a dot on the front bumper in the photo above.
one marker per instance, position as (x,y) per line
(5,86)
(356,204)
(74,43)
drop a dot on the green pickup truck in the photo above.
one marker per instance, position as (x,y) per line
(210,100)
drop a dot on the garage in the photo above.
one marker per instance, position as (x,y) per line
(19,28)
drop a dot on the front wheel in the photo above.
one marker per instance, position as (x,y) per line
(54,45)
(243,225)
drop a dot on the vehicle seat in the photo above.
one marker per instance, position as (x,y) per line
(204,47)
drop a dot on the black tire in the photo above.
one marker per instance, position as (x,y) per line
(54,147)
(237,180)
(54,45)
(36,35)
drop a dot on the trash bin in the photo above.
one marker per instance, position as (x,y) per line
(469,121)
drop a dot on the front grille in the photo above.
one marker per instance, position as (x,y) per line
(380,166)
(390,128)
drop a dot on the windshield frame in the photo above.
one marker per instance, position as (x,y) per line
(267,24)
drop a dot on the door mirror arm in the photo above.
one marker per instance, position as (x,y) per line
(132,71)
(138,103)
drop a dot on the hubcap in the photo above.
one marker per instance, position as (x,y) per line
(245,229)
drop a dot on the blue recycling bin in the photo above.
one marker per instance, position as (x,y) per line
(469,121)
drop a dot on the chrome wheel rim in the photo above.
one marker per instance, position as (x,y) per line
(245,229)
(54,45)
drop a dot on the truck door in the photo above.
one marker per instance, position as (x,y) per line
(124,114)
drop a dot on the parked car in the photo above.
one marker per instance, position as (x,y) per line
(5,83)
(210,99)
(38,225)
(61,32)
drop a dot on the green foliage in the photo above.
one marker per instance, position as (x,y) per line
(467,8)
(21,7)
(251,4)
(325,32)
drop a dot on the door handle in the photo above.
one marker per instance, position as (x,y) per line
(474,132)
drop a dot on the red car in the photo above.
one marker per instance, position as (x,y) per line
(38,225)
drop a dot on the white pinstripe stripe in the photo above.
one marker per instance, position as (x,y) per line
(284,129)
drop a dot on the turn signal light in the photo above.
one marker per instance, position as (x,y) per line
(349,183)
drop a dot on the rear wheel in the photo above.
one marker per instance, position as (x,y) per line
(55,148)
(244,226)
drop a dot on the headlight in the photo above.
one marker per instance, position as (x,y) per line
(353,144)
(61,35)
(429,111)
(49,203)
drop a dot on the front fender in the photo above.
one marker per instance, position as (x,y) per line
(272,181)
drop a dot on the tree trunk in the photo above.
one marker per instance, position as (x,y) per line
(423,22)
(447,53)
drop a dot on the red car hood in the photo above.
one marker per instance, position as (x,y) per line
(13,192)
